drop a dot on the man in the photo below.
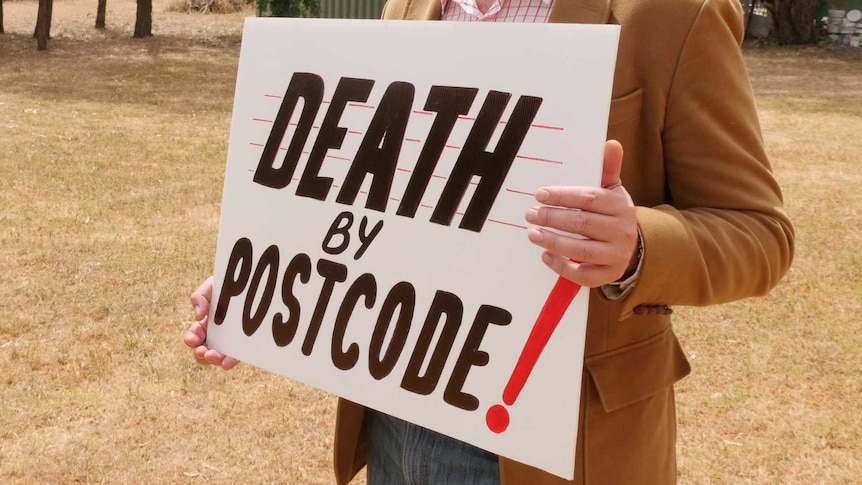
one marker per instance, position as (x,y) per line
(693,216)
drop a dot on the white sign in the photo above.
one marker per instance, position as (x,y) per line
(372,239)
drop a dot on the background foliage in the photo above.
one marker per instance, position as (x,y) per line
(288,8)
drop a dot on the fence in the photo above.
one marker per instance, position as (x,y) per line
(351,9)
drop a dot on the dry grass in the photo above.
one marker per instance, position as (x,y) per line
(776,390)
(111,159)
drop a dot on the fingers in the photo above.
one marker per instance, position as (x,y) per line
(603,244)
(585,274)
(228,362)
(196,335)
(207,356)
(592,199)
(590,233)
(596,214)
(200,352)
(615,253)
(201,297)
(589,224)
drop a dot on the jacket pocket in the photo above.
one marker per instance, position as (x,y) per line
(637,371)
(626,108)
(629,428)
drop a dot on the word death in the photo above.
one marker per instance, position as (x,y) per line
(395,316)
(379,150)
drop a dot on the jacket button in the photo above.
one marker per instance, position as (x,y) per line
(652,310)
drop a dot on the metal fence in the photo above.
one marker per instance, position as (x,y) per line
(351,9)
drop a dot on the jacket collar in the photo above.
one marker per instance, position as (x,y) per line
(564,11)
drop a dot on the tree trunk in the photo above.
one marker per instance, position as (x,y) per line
(100,14)
(144,19)
(43,24)
(794,21)
(50,13)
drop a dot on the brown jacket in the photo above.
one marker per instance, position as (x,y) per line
(709,209)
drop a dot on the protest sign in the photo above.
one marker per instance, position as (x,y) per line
(372,240)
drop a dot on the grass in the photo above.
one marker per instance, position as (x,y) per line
(776,388)
(111,159)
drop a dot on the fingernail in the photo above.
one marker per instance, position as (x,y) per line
(535,235)
(532,214)
(542,195)
(547,259)
(197,310)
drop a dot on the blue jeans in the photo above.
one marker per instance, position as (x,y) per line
(401,453)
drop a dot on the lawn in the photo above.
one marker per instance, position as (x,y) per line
(112,153)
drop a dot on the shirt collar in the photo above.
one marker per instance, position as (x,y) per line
(480,9)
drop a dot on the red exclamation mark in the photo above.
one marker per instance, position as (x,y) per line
(558,301)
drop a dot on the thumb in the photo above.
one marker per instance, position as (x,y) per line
(200,299)
(613,164)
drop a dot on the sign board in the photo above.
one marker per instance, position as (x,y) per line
(372,239)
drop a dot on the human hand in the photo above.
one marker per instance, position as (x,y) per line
(196,336)
(605,217)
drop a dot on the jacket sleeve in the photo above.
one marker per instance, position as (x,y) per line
(724,234)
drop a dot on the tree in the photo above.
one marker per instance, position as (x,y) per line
(795,21)
(100,14)
(288,8)
(144,19)
(43,24)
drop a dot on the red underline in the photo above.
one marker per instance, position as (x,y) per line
(545,160)
(507,224)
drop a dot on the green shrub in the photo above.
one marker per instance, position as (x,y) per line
(288,8)
(209,6)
